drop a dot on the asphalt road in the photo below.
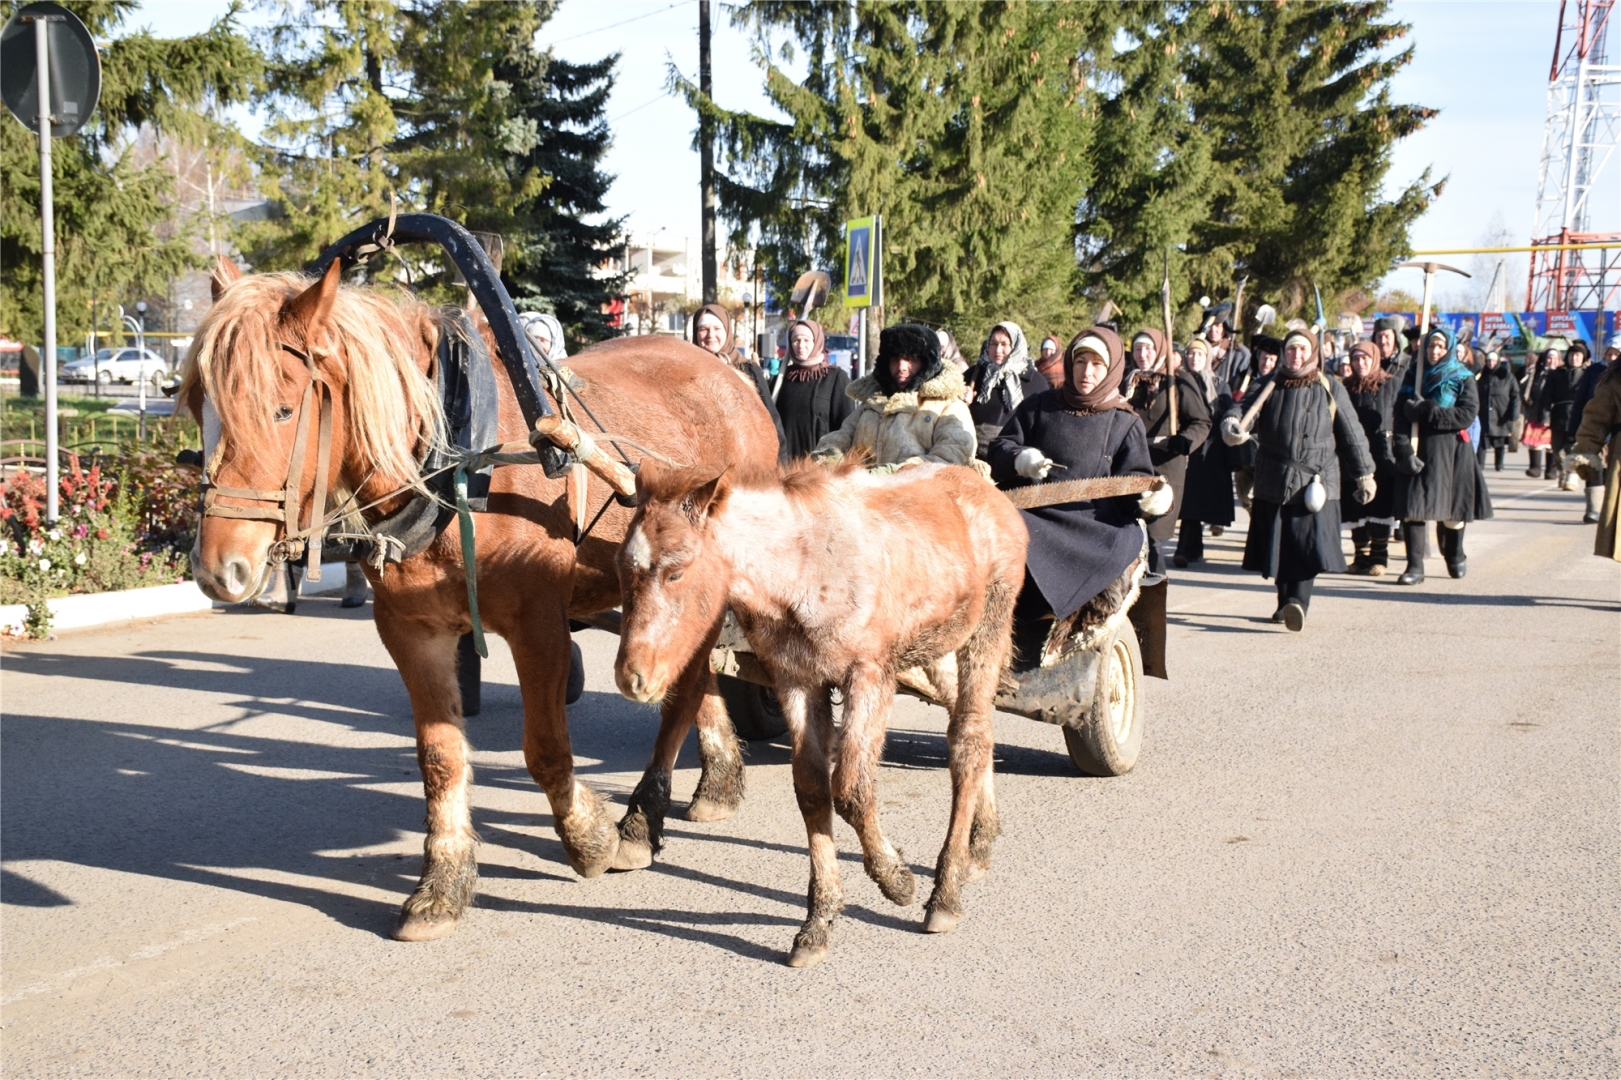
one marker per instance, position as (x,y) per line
(1385,846)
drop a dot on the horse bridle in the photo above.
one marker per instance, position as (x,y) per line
(284,509)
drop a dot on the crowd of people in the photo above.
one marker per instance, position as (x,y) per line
(1383,438)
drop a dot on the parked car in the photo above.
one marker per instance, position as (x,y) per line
(841,351)
(116,365)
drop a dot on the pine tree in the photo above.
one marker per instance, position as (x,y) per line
(119,231)
(964,125)
(557,266)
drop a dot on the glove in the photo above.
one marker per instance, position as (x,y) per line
(1178,446)
(1032,464)
(827,457)
(883,470)
(1366,489)
(1156,501)
(1581,462)
(1232,434)
(1419,409)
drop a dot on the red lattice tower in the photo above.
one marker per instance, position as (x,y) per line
(1579,172)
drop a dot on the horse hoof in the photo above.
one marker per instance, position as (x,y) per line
(940,922)
(632,855)
(977,872)
(898,886)
(708,810)
(424,928)
(805,956)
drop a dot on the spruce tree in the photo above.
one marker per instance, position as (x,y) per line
(120,232)
(964,125)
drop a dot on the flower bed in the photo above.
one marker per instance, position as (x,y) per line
(127,520)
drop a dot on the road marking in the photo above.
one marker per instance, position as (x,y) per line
(148,952)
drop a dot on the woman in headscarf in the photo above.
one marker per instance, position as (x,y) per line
(1534,397)
(712,332)
(950,354)
(545,333)
(1306,426)
(1499,408)
(1208,495)
(810,393)
(1003,377)
(1372,391)
(1080,551)
(1443,482)
(1150,395)
(910,409)
(1051,361)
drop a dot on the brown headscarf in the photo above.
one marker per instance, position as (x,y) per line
(1052,370)
(816,366)
(1314,362)
(1106,394)
(1376,375)
(728,350)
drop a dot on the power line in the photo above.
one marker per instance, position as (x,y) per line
(623,22)
(639,108)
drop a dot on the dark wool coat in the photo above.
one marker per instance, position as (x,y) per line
(1451,486)
(1234,366)
(1374,411)
(1076,549)
(1299,437)
(1170,456)
(1555,397)
(1499,402)
(1208,497)
(811,408)
(991,416)
(1585,386)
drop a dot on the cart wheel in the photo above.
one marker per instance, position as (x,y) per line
(1108,740)
(753,708)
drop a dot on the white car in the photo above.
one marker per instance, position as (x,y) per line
(116,365)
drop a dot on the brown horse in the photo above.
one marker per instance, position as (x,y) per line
(273,341)
(838,579)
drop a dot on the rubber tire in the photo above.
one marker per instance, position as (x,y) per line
(1093,746)
(753,708)
(104,378)
(576,674)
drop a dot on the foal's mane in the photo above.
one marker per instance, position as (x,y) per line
(393,410)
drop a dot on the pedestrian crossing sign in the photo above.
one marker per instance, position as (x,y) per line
(862,284)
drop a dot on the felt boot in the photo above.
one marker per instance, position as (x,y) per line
(1378,549)
(1595,505)
(1451,543)
(1535,469)
(1497,457)
(1363,562)
(1414,536)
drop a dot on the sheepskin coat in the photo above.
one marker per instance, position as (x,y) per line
(931,423)
(1600,427)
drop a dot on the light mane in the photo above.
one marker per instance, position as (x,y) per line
(393,410)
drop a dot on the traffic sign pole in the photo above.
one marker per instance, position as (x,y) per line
(47,224)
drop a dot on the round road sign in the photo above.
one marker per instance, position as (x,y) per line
(75,69)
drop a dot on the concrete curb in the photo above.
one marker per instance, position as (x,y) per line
(85,610)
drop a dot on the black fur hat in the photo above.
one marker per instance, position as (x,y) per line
(1267,344)
(913,341)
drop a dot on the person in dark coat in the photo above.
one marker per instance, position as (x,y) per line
(1080,550)
(1150,396)
(1533,395)
(1499,408)
(1003,377)
(1585,386)
(1305,428)
(1564,416)
(1443,482)
(809,392)
(1229,359)
(1372,393)
(1208,496)
(1387,338)
(712,332)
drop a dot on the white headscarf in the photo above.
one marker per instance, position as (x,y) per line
(1007,377)
(548,325)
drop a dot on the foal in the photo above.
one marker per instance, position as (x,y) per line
(840,579)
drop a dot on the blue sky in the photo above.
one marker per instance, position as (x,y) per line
(1483,65)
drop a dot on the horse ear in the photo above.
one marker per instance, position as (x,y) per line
(313,306)
(708,496)
(225,273)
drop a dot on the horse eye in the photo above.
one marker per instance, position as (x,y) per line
(675,576)
(284,414)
